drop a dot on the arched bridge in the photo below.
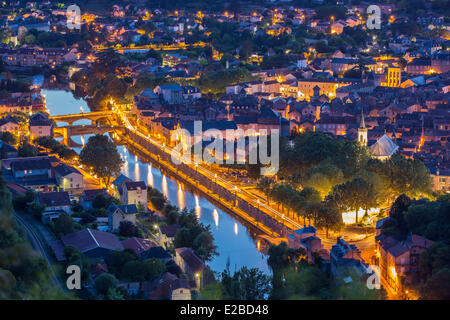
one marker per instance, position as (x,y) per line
(93,116)
(67,132)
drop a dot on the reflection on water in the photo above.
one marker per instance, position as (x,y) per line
(216,217)
(180,195)
(149,175)
(165,190)
(232,238)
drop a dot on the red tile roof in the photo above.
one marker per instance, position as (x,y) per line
(138,245)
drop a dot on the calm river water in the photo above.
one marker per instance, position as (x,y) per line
(232,238)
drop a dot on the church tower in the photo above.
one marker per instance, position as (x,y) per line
(362,131)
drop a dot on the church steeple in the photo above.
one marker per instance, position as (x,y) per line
(362,130)
(363,123)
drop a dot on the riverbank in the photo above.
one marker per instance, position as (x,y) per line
(224,204)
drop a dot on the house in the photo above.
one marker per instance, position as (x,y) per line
(190,264)
(89,195)
(166,235)
(31,172)
(9,124)
(92,243)
(307,239)
(171,93)
(334,124)
(191,93)
(167,286)
(132,288)
(147,96)
(399,260)
(55,204)
(346,261)
(27,168)
(341,65)
(7,151)
(134,192)
(117,214)
(68,178)
(117,185)
(40,125)
(97,269)
(440,180)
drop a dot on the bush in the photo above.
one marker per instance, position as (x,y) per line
(64,224)
(158,202)
(128,229)
(104,282)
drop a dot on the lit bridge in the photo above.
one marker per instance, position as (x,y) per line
(67,132)
(93,116)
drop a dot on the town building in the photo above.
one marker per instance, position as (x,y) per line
(120,213)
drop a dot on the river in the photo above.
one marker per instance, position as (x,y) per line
(233,240)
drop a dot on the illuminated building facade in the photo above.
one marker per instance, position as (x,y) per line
(394,78)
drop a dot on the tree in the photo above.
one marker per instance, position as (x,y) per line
(323,178)
(280,258)
(75,257)
(245,284)
(305,281)
(100,154)
(265,185)
(158,202)
(64,224)
(23,274)
(436,288)
(27,150)
(147,270)
(36,210)
(204,246)
(8,137)
(101,201)
(329,217)
(407,176)
(104,282)
(117,259)
(128,229)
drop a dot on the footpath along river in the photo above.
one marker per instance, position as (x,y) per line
(234,241)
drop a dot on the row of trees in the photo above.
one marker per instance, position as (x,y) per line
(306,204)
(342,174)
(54,146)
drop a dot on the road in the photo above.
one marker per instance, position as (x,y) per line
(39,246)
(366,244)
(257,203)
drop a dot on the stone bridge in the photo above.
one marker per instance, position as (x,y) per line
(93,116)
(67,132)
